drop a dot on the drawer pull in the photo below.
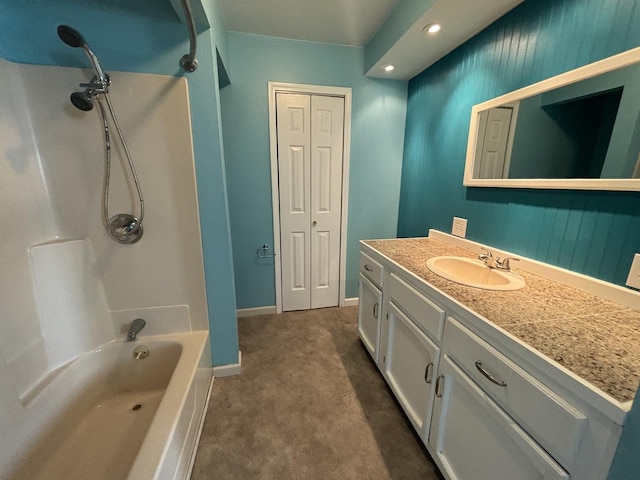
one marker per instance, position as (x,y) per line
(427,375)
(368,268)
(438,392)
(489,376)
(375,310)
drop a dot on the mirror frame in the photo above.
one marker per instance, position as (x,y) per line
(609,64)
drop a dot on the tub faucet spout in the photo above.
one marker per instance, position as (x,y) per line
(137,325)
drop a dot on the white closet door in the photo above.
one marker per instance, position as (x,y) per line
(327,127)
(293,116)
(310,132)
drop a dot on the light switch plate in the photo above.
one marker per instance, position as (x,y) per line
(633,280)
(459,228)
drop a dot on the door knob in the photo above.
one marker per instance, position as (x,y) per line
(314,223)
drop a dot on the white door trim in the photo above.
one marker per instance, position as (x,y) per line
(345,92)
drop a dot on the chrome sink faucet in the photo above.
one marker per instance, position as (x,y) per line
(137,325)
(504,264)
(489,261)
(487,258)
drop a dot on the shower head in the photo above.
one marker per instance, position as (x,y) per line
(82,101)
(74,38)
(71,36)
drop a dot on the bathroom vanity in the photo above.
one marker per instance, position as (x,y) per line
(524,384)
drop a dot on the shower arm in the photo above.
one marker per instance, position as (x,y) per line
(188,62)
(103,78)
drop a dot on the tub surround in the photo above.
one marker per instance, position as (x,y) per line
(594,338)
(72,289)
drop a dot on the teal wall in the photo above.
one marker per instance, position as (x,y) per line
(377,133)
(146,37)
(595,233)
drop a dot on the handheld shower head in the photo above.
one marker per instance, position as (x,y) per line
(74,38)
(71,36)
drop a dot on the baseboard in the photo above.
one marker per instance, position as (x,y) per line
(351,302)
(230,369)
(249,312)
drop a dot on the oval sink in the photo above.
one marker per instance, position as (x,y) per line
(474,273)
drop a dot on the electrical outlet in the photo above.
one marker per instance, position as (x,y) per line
(633,280)
(459,228)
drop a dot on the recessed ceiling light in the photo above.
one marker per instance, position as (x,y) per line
(388,68)
(432,28)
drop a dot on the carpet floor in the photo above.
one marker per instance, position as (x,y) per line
(309,404)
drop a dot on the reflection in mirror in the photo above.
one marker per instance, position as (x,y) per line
(580,129)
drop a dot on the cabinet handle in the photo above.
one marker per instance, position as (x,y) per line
(375,310)
(427,376)
(368,268)
(489,376)
(438,383)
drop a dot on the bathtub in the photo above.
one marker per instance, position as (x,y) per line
(109,415)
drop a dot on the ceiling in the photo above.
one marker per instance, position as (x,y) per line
(400,41)
(342,22)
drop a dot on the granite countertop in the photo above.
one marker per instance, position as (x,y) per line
(597,339)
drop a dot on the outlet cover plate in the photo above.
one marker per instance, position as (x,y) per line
(633,280)
(459,228)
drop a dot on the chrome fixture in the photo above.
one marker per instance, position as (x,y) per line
(123,227)
(487,258)
(263,252)
(504,263)
(188,61)
(489,261)
(74,39)
(137,325)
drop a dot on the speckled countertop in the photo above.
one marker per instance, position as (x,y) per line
(596,339)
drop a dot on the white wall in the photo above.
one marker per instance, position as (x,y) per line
(60,299)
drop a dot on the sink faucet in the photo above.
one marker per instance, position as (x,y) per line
(491,262)
(504,264)
(488,259)
(137,325)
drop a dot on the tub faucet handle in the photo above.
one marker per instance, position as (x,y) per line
(137,325)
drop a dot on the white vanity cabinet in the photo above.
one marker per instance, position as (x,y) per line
(409,365)
(485,405)
(370,303)
(410,354)
(471,437)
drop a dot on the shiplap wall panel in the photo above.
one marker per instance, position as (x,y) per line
(595,233)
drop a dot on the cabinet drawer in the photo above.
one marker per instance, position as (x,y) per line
(371,269)
(428,316)
(556,424)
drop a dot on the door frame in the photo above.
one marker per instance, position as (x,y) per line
(345,92)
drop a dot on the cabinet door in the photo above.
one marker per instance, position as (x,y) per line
(410,366)
(472,438)
(369,305)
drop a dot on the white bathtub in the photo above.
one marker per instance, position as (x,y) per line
(110,416)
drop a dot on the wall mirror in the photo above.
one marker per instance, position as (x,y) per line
(578,130)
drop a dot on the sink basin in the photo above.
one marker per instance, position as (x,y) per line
(474,273)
